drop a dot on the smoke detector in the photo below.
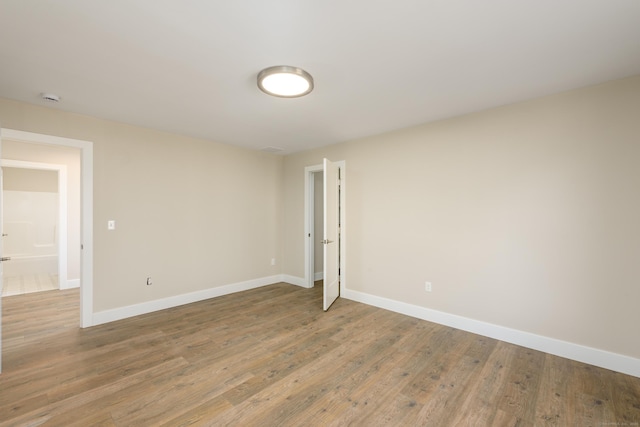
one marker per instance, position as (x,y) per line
(50,97)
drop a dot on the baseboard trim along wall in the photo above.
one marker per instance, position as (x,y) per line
(604,359)
(294,280)
(177,300)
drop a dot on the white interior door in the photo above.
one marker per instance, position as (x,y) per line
(331,289)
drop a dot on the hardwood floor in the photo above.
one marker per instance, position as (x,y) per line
(272,357)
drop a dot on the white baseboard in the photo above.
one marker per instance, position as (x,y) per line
(318,276)
(164,303)
(593,356)
(294,280)
(70,284)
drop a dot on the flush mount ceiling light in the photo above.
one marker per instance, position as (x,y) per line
(285,81)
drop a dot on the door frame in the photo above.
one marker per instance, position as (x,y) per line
(63,280)
(309,221)
(86,210)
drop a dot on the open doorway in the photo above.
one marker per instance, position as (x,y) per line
(318,227)
(313,224)
(35,226)
(10,145)
(314,207)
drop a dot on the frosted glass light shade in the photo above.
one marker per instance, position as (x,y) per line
(285,81)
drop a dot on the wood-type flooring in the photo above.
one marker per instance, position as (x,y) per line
(271,357)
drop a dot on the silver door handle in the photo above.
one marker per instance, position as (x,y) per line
(326,242)
(5,258)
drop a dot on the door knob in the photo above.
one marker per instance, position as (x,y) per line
(5,258)
(326,242)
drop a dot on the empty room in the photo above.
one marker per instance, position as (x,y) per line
(295,213)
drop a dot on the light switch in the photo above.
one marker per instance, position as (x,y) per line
(111,225)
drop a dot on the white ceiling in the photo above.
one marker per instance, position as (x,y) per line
(189,66)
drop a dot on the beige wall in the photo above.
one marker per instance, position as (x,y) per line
(192,214)
(70,157)
(17,179)
(524,216)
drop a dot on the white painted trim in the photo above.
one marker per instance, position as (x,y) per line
(71,284)
(294,280)
(86,221)
(63,265)
(593,356)
(178,300)
(318,275)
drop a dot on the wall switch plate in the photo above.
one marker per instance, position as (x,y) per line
(111,225)
(427,286)
(273,261)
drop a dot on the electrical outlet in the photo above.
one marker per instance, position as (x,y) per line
(427,286)
(149,282)
(111,225)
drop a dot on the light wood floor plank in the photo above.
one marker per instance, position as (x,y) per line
(271,357)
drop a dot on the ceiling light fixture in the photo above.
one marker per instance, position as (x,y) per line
(285,81)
